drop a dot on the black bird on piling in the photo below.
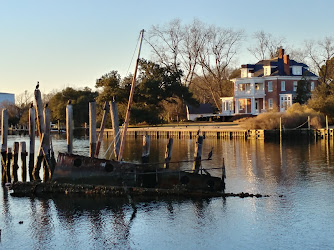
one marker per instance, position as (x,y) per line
(37,86)
(46,105)
(199,130)
(69,102)
(210,154)
(32,105)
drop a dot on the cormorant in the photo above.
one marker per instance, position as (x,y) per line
(210,154)
(37,86)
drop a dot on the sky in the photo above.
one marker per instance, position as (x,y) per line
(63,43)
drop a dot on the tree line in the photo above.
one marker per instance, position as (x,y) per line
(190,63)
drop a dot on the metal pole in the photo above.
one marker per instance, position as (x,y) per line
(127,117)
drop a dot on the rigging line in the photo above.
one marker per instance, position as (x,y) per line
(301,125)
(134,52)
(112,142)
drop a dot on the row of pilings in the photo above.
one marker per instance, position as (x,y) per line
(41,117)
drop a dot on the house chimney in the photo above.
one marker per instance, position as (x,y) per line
(286,61)
(280,53)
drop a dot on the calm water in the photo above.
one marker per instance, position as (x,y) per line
(303,172)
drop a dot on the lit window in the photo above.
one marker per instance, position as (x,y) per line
(295,84)
(241,104)
(257,86)
(270,103)
(282,85)
(270,86)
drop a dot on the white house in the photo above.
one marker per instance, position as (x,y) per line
(267,84)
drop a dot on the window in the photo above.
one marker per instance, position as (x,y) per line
(257,86)
(270,103)
(270,86)
(282,85)
(266,70)
(241,105)
(242,87)
(295,84)
(297,70)
(312,86)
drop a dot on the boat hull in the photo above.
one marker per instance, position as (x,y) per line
(77,169)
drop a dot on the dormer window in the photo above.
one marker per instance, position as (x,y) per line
(266,70)
(297,70)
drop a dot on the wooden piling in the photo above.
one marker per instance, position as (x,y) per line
(92,128)
(23,160)
(32,126)
(168,153)
(146,148)
(69,128)
(39,110)
(9,158)
(198,154)
(4,135)
(15,167)
(58,126)
(115,125)
(103,123)
(47,124)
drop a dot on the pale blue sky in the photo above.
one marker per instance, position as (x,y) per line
(72,43)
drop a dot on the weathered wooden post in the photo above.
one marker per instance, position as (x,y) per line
(47,122)
(58,126)
(326,123)
(308,123)
(69,127)
(32,126)
(146,148)
(4,135)
(92,128)
(9,157)
(24,160)
(198,154)
(280,127)
(46,144)
(39,109)
(168,153)
(15,161)
(103,123)
(115,125)
(223,175)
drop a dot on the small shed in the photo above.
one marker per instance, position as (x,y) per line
(203,110)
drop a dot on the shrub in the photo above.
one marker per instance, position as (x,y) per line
(295,117)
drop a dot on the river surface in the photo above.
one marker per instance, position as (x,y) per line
(299,214)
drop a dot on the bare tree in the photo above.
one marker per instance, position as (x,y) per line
(216,58)
(165,42)
(199,51)
(24,99)
(265,45)
(319,55)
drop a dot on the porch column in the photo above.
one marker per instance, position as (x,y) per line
(237,105)
(253,105)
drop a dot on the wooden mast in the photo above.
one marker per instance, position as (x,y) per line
(127,117)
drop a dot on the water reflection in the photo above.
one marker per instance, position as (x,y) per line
(302,171)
